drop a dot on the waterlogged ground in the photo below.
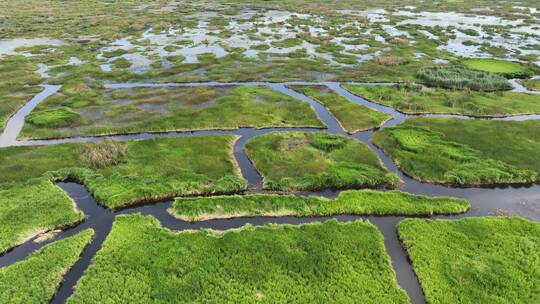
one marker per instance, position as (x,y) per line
(261,99)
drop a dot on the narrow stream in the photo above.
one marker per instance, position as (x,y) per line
(522,200)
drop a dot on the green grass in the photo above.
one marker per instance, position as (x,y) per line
(416,99)
(85,111)
(36,278)
(456,77)
(509,69)
(358,202)
(309,161)
(312,263)
(475,260)
(17,85)
(28,209)
(57,117)
(352,117)
(464,152)
(532,84)
(147,170)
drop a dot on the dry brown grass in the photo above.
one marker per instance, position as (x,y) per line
(104,154)
(389,60)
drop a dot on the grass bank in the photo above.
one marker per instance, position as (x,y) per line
(475,260)
(411,99)
(80,110)
(129,172)
(352,117)
(17,85)
(28,209)
(36,278)
(316,263)
(464,152)
(309,161)
(357,202)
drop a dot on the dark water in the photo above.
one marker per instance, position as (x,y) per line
(523,200)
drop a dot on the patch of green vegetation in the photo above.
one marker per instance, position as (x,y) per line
(308,161)
(57,117)
(316,263)
(475,260)
(412,99)
(357,202)
(287,43)
(456,77)
(17,85)
(168,109)
(143,170)
(352,117)
(532,84)
(36,279)
(28,209)
(464,152)
(509,69)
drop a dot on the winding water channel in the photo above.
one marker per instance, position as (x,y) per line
(517,200)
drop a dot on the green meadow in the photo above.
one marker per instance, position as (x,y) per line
(121,173)
(80,110)
(312,263)
(291,161)
(357,202)
(34,207)
(509,69)
(413,99)
(464,152)
(36,278)
(352,117)
(475,260)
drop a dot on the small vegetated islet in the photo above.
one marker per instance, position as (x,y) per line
(308,161)
(358,202)
(321,262)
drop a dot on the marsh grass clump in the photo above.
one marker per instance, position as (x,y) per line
(328,142)
(495,257)
(104,154)
(389,60)
(456,77)
(53,118)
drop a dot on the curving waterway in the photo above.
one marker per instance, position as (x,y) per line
(516,200)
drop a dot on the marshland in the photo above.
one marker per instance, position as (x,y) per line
(266,151)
